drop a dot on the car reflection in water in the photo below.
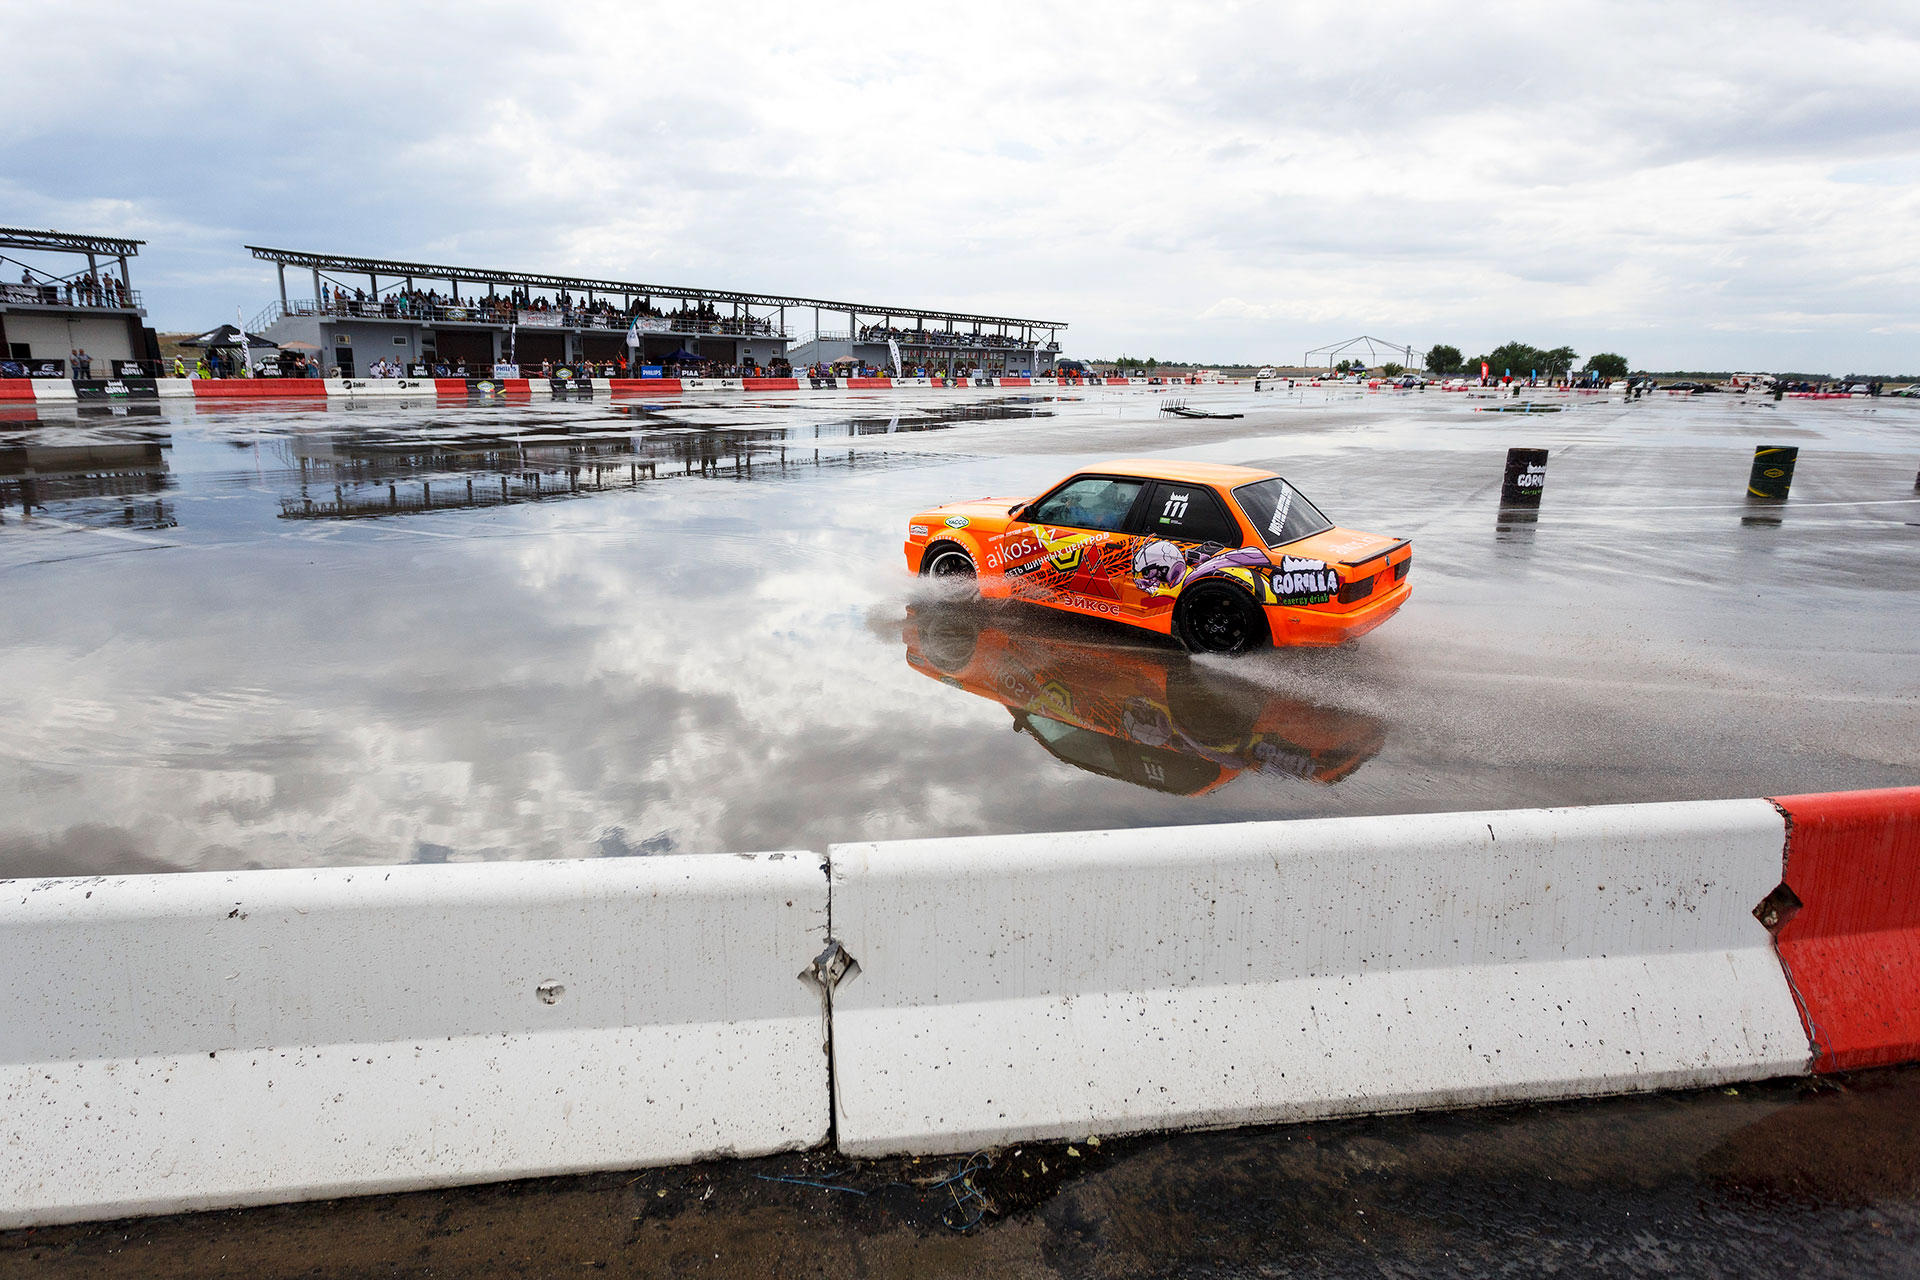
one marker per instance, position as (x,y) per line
(1147,715)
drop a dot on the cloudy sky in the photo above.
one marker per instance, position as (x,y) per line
(1696,186)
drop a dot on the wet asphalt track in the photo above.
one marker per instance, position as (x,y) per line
(199,671)
(204,675)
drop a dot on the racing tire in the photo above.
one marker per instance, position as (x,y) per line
(1216,617)
(949,564)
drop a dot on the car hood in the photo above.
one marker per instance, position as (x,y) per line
(978,511)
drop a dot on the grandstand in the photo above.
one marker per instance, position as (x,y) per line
(363,310)
(52,306)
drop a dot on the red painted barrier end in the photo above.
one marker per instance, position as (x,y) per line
(642,386)
(16,389)
(259,389)
(1852,948)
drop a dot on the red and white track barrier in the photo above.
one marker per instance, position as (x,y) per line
(51,391)
(190,1041)
(193,1041)
(1852,947)
(1030,987)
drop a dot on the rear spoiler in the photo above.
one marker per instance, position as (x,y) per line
(1355,564)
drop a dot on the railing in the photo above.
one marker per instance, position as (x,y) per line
(957,340)
(64,295)
(506,313)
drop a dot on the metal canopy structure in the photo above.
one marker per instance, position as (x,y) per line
(68,242)
(98,290)
(1375,348)
(374,268)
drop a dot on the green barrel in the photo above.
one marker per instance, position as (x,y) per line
(1772,473)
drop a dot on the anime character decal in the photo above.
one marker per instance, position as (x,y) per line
(1161,568)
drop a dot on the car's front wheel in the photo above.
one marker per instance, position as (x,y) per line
(952,567)
(1215,617)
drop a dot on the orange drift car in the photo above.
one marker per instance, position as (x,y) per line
(1221,558)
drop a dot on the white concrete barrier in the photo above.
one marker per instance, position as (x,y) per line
(1029,987)
(189,1041)
(380,388)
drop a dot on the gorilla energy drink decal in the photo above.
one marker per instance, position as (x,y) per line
(1301,581)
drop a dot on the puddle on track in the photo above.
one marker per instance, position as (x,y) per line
(278,636)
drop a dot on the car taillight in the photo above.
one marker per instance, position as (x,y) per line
(1359,590)
(1400,570)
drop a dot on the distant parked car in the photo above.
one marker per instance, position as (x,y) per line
(1266,373)
(1691,388)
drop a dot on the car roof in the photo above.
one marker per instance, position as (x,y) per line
(1173,469)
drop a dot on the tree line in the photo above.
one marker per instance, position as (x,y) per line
(1521,359)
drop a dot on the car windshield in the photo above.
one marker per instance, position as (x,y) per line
(1280,512)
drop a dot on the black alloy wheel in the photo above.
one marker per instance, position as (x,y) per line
(1217,618)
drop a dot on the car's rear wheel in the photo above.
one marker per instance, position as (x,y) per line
(1214,617)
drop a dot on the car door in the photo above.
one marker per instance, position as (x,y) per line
(1070,547)
(1173,526)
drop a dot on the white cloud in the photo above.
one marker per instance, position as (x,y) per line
(1235,181)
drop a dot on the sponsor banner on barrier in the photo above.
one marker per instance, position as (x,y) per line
(382,386)
(33,368)
(823,384)
(571,387)
(542,320)
(117,389)
(498,387)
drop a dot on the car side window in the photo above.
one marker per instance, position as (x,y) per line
(1188,513)
(1092,502)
